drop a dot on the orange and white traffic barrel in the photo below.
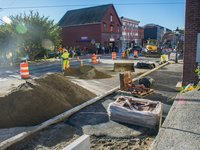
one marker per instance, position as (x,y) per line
(114,55)
(94,59)
(24,71)
(136,53)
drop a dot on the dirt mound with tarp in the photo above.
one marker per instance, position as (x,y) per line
(86,72)
(40,99)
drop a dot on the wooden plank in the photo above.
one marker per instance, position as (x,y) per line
(141,95)
(121,79)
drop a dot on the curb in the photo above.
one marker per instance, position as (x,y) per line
(5,144)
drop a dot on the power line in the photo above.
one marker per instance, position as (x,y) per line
(51,6)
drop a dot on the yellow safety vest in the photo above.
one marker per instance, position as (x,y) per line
(65,55)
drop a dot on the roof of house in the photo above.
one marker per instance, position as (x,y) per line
(84,15)
(128,19)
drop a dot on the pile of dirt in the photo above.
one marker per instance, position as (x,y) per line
(38,100)
(86,72)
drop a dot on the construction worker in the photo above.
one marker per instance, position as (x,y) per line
(65,59)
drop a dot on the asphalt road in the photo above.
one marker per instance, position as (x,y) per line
(39,68)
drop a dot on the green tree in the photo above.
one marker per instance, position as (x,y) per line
(31,35)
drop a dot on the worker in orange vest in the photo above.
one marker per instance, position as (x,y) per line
(65,59)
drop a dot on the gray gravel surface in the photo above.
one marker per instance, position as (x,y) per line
(166,79)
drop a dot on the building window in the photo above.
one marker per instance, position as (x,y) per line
(111,18)
(104,27)
(111,28)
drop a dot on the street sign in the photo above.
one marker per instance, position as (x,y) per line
(92,42)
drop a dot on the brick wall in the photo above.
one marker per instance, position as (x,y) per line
(192,27)
(72,36)
(116,33)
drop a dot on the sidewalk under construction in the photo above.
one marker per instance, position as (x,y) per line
(93,120)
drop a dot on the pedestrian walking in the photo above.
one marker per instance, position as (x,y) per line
(65,59)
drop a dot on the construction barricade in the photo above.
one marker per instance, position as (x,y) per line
(114,55)
(94,59)
(24,71)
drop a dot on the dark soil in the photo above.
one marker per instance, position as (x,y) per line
(86,72)
(106,143)
(40,99)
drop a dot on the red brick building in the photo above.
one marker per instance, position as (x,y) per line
(192,41)
(91,27)
(129,32)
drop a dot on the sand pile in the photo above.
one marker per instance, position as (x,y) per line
(86,72)
(38,100)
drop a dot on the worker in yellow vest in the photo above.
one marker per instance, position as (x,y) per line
(65,59)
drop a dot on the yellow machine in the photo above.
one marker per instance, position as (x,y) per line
(152,47)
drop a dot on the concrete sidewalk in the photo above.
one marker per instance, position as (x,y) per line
(181,129)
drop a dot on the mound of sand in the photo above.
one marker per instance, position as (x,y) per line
(38,100)
(86,72)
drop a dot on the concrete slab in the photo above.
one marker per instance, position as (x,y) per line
(181,130)
(81,143)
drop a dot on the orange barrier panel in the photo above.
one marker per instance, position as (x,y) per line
(114,55)
(136,53)
(24,71)
(94,59)
(123,55)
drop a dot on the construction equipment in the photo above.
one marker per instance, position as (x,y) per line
(152,48)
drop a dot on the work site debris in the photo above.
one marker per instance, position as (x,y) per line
(146,81)
(179,86)
(189,87)
(145,65)
(86,72)
(126,84)
(141,112)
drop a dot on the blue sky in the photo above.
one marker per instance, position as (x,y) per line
(146,11)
